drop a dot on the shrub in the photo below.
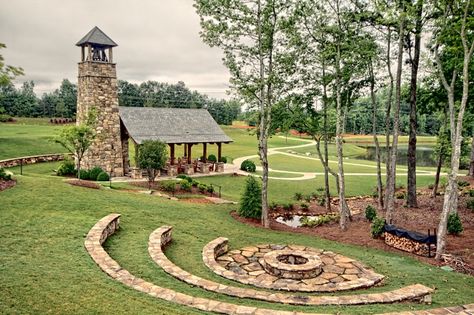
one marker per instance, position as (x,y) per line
(298,196)
(454,224)
(307,198)
(370,213)
(288,207)
(202,188)
(304,206)
(430,186)
(194,183)
(6,118)
(251,203)
(212,158)
(169,186)
(4,175)
(210,189)
(66,168)
(84,175)
(470,203)
(471,193)
(223,159)
(377,227)
(400,195)
(273,206)
(319,220)
(185,185)
(94,172)
(321,201)
(248,166)
(103,177)
(463,184)
(182,176)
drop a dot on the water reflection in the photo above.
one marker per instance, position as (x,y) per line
(295,220)
(424,155)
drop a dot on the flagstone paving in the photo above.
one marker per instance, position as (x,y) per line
(109,224)
(249,265)
(162,237)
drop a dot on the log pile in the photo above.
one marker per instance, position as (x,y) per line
(408,245)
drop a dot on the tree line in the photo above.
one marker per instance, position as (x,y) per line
(313,58)
(62,102)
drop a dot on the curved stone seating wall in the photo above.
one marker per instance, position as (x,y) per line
(218,247)
(162,236)
(109,224)
(32,160)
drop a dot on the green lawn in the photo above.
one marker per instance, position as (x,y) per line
(44,267)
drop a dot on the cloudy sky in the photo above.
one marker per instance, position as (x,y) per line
(158,40)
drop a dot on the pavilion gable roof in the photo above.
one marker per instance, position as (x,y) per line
(171,125)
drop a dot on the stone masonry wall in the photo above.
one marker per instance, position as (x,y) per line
(97,87)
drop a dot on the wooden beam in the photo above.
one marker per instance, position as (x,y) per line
(190,145)
(185,150)
(219,151)
(172,153)
(204,152)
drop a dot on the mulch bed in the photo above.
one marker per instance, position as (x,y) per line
(178,191)
(83,183)
(420,219)
(5,184)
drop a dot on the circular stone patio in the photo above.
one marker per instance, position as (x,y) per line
(293,268)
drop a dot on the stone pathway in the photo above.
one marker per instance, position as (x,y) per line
(162,237)
(246,265)
(109,224)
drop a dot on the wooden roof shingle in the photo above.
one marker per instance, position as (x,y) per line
(171,125)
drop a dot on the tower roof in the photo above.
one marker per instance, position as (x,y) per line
(96,37)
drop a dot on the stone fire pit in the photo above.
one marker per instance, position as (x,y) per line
(291,264)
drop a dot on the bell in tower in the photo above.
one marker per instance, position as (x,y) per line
(97,91)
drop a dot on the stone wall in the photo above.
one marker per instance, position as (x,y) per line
(31,160)
(97,88)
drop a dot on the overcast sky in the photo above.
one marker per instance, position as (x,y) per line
(157,40)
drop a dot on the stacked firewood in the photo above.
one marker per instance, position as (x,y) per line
(408,245)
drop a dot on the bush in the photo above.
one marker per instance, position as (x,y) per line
(288,207)
(4,175)
(194,183)
(6,118)
(66,168)
(430,186)
(298,196)
(273,206)
(304,206)
(169,186)
(251,203)
(471,193)
(470,203)
(185,185)
(319,220)
(84,175)
(307,198)
(248,166)
(212,158)
(182,176)
(210,189)
(202,188)
(377,227)
(223,159)
(400,195)
(370,213)
(103,177)
(94,173)
(454,224)
(463,184)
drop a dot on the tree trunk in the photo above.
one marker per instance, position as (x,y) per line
(411,155)
(325,139)
(390,189)
(471,166)
(376,140)
(438,171)
(262,140)
(451,195)
(78,168)
(387,116)
(343,208)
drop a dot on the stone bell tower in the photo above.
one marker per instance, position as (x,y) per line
(97,90)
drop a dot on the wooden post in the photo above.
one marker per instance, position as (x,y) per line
(110,55)
(172,153)
(185,147)
(204,152)
(83,57)
(89,52)
(219,151)
(190,145)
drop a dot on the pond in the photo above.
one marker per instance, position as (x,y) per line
(424,155)
(295,220)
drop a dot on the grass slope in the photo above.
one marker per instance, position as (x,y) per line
(44,267)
